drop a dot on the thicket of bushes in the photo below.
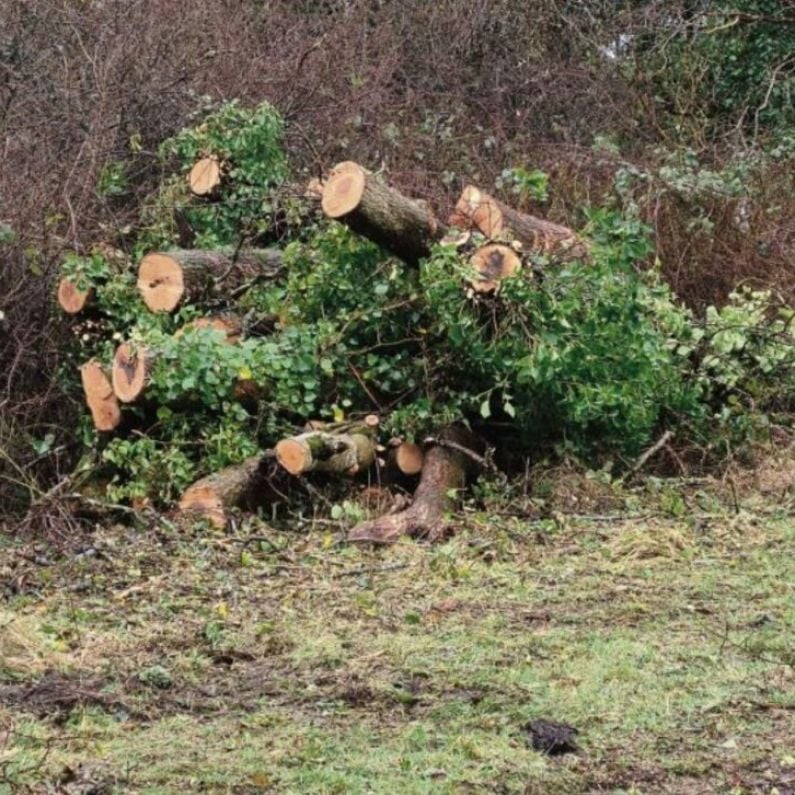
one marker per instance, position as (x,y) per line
(676,116)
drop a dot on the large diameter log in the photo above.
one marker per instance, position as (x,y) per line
(167,279)
(204,178)
(321,451)
(492,264)
(131,371)
(71,298)
(478,210)
(448,466)
(378,212)
(214,497)
(100,398)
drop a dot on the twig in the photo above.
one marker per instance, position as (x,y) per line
(655,448)
(372,569)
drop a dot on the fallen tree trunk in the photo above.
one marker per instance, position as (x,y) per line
(367,205)
(71,298)
(131,371)
(214,497)
(448,466)
(204,178)
(167,279)
(100,398)
(477,210)
(343,451)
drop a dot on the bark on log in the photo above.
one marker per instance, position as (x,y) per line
(492,264)
(71,298)
(339,452)
(131,371)
(477,210)
(372,209)
(166,279)
(205,177)
(214,497)
(229,324)
(446,471)
(100,398)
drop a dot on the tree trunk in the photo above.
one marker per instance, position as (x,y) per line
(205,177)
(371,208)
(448,466)
(491,264)
(339,451)
(71,298)
(131,371)
(215,496)
(167,279)
(100,398)
(478,210)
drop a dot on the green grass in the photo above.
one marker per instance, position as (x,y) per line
(668,641)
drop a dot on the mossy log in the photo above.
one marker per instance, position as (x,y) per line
(497,221)
(168,279)
(343,452)
(366,204)
(100,397)
(448,466)
(215,497)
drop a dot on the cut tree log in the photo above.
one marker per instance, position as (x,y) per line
(71,298)
(131,371)
(214,497)
(363,202)
(449,464)
(167,279)
(100,398)
(497,221)
(205,177)
(406,457)
(229,324)
(343,452)
(492,264)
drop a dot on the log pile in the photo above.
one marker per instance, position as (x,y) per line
(498,242)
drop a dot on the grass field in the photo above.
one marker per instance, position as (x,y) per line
(659,622)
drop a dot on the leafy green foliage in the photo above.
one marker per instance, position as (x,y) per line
(247,143)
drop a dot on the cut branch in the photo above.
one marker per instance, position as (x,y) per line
(343,452)
(492,264)
(229,324)
(167,279)
(363,202)
(100,398)
(446,471)
(205,177)
(214,497)
(131,371)
(497,221)
(71,298)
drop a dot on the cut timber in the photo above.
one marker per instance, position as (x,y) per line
(492,264)
(205,176)
(100,397)
(448,466)
(407,458)
(230,325)
(344,453)
(215,496)
(372,209)
(166,279)
(132,366)
(478,210)
(71,298)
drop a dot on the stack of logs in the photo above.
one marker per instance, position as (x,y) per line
(499,241)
